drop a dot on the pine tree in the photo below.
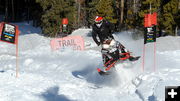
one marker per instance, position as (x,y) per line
(168,17)
(105,8)
(132,18)
(91,10)
(53,12)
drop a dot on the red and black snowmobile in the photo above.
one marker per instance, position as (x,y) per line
(113,52)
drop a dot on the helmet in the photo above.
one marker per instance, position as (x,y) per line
(98,19)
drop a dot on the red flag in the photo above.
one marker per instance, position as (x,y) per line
(147,20)
(150,19)
(154,18)
(65,21)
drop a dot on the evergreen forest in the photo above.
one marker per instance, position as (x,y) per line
(124,14)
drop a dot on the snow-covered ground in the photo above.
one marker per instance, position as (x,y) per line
(68,75)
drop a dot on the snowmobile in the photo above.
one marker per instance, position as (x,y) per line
(113,52)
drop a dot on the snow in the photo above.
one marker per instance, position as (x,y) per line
(67,75)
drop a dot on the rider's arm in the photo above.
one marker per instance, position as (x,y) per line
(94,36)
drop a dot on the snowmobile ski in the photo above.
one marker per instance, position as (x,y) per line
(125,56)
(102,72)
(106,72)
(134,58)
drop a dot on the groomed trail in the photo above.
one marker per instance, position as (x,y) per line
(67,75)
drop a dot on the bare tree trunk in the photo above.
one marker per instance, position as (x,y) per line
(78,6)
(150,7)
(6,11)
(134,6)
(179,4)
(13,16)
(84,15)
(176,30)
(75,17)
(28,17)
(79,12)
(122,11)
(177,25)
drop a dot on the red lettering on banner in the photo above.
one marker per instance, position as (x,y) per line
(75,42)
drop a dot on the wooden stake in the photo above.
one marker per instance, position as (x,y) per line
(17,62)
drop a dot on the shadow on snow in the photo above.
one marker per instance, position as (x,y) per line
(52,95)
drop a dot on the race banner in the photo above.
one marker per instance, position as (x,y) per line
(8,33)
(150,34)
(150,22)
(74,42)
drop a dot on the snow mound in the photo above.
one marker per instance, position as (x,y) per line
(68,75)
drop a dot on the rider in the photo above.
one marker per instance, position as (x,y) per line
(110,48)
(103,29)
